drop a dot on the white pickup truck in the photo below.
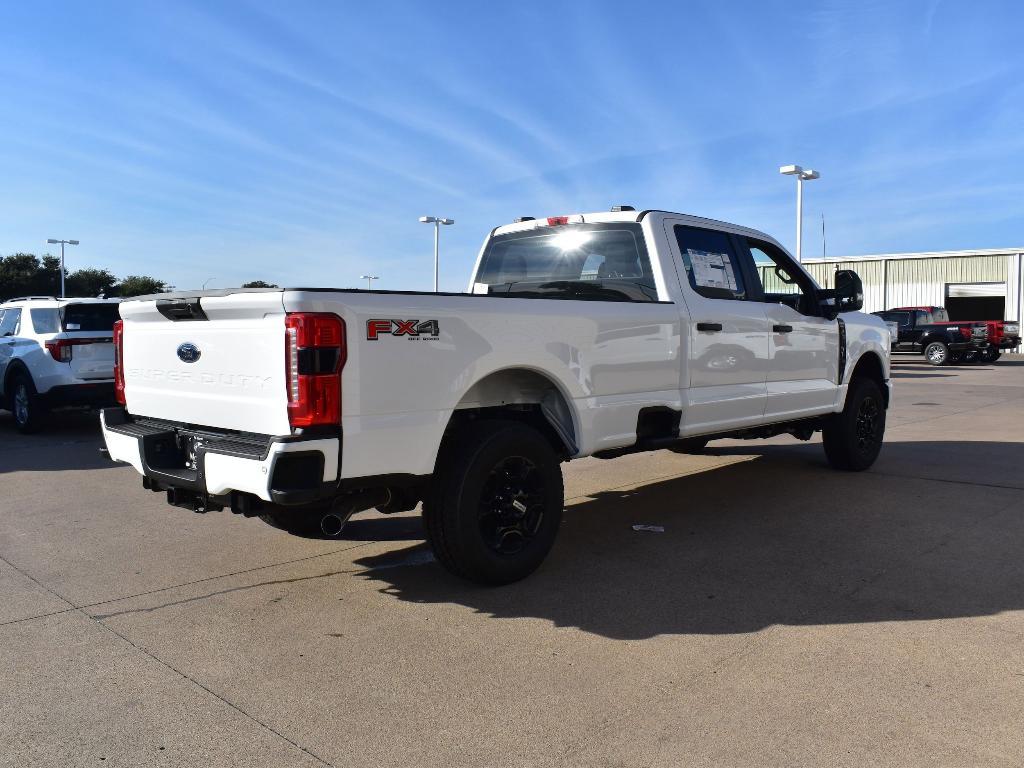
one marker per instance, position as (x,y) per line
(586,335)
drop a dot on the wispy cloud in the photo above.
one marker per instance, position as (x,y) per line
(301,143)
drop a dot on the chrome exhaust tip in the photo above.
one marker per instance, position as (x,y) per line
(332,524)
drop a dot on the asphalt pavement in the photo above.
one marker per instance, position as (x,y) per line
(788,615)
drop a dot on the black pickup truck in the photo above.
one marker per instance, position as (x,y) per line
(941,343)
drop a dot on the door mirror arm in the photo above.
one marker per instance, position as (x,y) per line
(827,303)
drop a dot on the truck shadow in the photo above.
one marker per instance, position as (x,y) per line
(69,440)
(907,375)
(779,539)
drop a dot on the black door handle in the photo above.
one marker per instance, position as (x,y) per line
(782,328)
(709,326)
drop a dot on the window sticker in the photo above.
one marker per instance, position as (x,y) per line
(712,270)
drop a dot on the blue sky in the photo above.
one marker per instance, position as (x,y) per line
(298,142)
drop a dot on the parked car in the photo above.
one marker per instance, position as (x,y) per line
(941,342)
(584,335)
(1001,334)
(55,353)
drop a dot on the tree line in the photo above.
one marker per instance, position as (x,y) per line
(25,274)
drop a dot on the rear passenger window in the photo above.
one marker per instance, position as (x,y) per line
(712,265)
(45,320)
(9,323)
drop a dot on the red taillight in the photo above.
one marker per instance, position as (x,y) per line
(60,350)
(314,346)
(119,361)
(556,220)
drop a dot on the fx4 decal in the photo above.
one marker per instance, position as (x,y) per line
(414,329)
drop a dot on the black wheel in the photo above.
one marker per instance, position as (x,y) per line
(496,504)
(853,437)
(936,353)
(990,355)
(690,445)
(26,406)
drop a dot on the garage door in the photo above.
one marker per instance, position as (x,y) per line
(976,301)
(975,290)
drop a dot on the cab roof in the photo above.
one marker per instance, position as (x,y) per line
(527,223)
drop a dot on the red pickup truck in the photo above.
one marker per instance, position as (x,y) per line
(1002,334)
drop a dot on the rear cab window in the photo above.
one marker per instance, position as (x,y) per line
(593,262)
(89,317)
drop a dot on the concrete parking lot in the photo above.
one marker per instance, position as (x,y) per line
(788,615)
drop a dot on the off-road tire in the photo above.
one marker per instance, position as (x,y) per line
(937,353)
(495,506)
(26,406)
(853,437)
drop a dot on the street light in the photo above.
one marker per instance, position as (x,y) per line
(437,221)
(802,175)
(51,241)
(205,282)
(369,281)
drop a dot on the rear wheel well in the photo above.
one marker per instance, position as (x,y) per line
(13,369)
(523,395)
(528,414)
(931,338)
(870,367)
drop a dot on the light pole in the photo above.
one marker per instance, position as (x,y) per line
(51,241)
(369,281)
(802,175)
(205,282)
(437,221)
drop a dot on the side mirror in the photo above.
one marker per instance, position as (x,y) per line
(849,291)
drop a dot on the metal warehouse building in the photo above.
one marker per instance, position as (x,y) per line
(972,285)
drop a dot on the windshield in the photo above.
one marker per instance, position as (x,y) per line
(601,262)
(89,317)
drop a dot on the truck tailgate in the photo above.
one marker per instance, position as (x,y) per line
(225,369)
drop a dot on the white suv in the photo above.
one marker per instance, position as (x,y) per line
(55,352)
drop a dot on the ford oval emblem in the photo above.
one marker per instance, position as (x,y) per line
(188,353)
